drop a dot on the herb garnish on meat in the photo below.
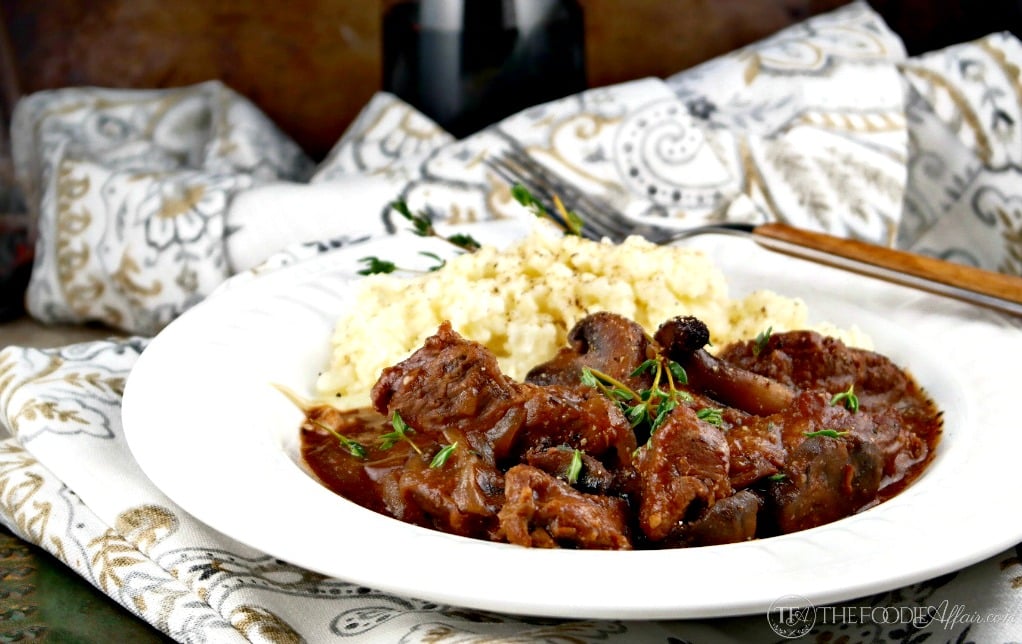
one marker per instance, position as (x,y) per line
(848,397)
(442,456)
(400,433)
(647,408)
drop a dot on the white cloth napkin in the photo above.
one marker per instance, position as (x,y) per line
(148,202)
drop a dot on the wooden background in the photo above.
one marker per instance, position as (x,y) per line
(312,64)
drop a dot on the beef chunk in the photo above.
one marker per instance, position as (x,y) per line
(579,417)
(826,479)
(756,451)
(834,466)
(461,497)
(593,477)
(682,471)
(543,511)
(809,360)
(456,384)
(451,382)
(887,394)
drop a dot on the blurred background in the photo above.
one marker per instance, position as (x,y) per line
(311,65)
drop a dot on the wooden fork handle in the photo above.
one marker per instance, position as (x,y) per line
(987,288)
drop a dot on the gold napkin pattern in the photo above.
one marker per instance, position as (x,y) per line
(964,200)
(130,189)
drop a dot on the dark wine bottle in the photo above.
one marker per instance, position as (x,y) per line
(469,63)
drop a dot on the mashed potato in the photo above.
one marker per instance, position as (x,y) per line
(521,302)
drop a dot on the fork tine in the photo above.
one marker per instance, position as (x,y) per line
(539,190)
(599,220)
(602,218)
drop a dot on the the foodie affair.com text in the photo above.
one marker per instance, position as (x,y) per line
(794,616)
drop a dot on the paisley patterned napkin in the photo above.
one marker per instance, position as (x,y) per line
(130,189)
(148,202)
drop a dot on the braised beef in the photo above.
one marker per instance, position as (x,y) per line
(682,470)
(454,383)
(462,498)
(542,510)
(906,423)
(591,477)
(756,450)
(809,360)
(789,432)
(833,466)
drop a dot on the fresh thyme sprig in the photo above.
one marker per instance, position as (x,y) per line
(400,433)
(375,265)
(423,227)
(354,448)
(646,409)
(570,220)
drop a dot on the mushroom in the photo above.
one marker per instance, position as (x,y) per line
(682,340)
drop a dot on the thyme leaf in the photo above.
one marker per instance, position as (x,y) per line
(647,409)
(575,467)
(442,456)
(663,410)
(353,447)
(423,227)
(711,415)
(648,365)
(376,266)
(761,340)
(463,241)
(677,372)
(848,398)
(829,433)
(400,433)
(570,220)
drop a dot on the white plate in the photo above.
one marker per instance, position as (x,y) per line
(206,425)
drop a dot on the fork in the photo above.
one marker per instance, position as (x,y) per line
(600,220)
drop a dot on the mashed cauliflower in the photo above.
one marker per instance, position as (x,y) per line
(520,302)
